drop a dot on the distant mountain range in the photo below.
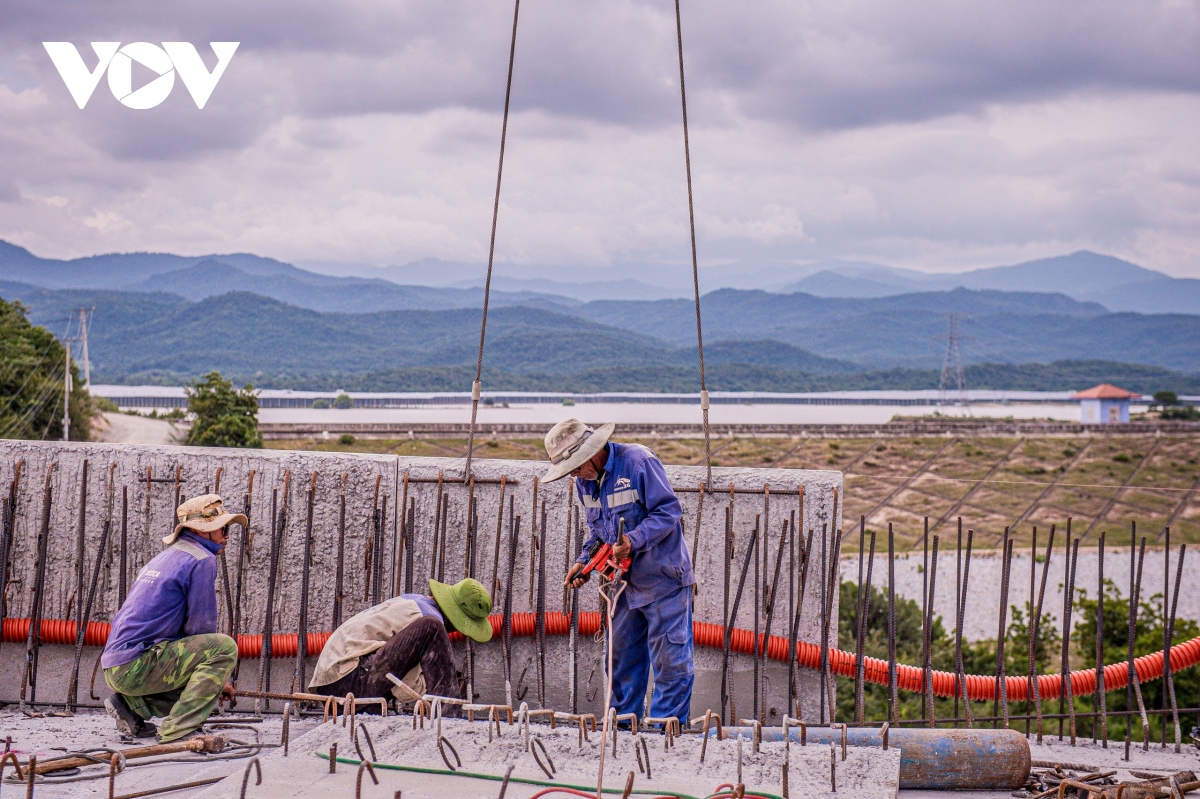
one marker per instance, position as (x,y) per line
(166,318)
(1086,276)
(1116,284)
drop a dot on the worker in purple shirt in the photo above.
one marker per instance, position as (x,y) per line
(652,623)
(164,657)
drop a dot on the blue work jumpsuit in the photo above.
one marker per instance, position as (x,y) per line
(653,618)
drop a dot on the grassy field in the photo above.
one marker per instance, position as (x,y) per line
(1102,483)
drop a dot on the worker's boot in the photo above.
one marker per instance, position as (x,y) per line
(128,723)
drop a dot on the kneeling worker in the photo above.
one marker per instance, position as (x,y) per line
(164,656)
(407,636)
(652,623)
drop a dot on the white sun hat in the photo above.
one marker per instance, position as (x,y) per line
(571,443)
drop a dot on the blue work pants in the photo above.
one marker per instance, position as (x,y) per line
(659,633)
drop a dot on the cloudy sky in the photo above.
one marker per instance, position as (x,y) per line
(940,135)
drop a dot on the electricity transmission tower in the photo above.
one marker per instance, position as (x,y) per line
(952,366)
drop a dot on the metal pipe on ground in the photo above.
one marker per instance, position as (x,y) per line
(931,759)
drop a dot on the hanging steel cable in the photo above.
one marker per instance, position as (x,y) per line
(477,386)
(687,160)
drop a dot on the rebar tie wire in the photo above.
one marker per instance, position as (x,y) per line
(477,386)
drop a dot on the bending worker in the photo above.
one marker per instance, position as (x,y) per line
(407,636)
(652,623)
(164,656)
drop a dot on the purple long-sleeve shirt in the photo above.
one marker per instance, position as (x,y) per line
(174,596)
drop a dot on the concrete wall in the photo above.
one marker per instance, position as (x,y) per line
(146,515)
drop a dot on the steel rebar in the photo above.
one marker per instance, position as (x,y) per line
(1135,599)
(279,517)
(540,613)
(1001,633)
(33,640)
(928,642)
(958,591)
(123,580)
(499,529)
(864,612)
(961,675)
(305,566)
(243,559)
(767,630)
(805,561)
(1035,629)
(339,569)
(1074,564)
(893,688)
(924,613)
(1178,738)
(514,529)
(751,549)
(727,556)
(80,546)
(1101,693)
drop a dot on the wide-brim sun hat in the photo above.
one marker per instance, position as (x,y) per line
(203,514)
(466,605)
(571,443)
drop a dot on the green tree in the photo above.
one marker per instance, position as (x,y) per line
(32,362)
(224,416)
(343,401)
(1165,398)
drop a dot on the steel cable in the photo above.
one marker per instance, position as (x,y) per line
(477,386)
(687,160)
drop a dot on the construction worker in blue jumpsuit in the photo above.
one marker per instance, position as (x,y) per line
(652,623)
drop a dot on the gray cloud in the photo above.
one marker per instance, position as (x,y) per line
(942,134)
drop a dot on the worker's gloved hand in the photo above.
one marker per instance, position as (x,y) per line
(229,694)
(623,548)
(573,580)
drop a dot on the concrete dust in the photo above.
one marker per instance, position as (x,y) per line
(92,731)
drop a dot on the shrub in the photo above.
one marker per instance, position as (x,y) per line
(346,439)
(1185,413)
(321,404)
(343,401)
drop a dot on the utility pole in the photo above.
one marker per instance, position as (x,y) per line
(67,392)
(87,365)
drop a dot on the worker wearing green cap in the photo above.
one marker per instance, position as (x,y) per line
(407,636)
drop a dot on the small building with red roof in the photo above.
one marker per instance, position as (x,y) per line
(1104,404)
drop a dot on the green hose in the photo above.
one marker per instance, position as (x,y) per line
(497,778)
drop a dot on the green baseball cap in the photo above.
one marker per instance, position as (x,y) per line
(467,605)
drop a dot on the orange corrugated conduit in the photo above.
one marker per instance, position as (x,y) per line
(979,686)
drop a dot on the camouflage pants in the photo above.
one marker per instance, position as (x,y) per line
(180,680)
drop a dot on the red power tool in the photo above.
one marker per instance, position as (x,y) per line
(602,562)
